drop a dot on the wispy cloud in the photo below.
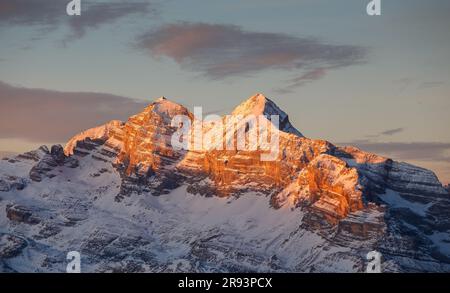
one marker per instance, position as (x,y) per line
(430,84)
(307,77)
(403,84)
(387,132)
(221,51)
(391,132)
(50,14)
(406,83)
(44,115)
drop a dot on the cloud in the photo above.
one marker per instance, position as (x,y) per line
(391,132)
(307,77)
(103,13)
(413,151)
(310,76)
(49,14)
(221,51)
(40,115)
(403,83)
(413,83)
(388,132)
(430,84)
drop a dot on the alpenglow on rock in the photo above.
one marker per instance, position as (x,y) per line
(128,201)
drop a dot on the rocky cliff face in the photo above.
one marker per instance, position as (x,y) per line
(342,198)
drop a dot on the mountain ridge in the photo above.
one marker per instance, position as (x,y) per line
(348,157)
(342,198)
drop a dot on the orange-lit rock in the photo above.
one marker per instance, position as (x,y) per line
(147,138)
(316,174)
(143,148)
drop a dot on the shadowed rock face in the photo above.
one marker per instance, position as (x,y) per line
(10,245)
(49,161)
(21,214)
(12,182)
(131,197)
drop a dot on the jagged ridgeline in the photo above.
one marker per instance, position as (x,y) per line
(124,197)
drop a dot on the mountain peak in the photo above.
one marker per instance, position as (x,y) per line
(163,101)
(254,105)
(163,107)
(259,98)
(259,104)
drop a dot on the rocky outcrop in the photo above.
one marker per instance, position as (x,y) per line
(35,155)
(9,182)
(10,246)
(383,173)
(447,187)
(110,133)
(327,185)
(20,214)
(53,158)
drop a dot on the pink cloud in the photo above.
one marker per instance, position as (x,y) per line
(220,51)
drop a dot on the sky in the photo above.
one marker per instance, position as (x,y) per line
(381,83)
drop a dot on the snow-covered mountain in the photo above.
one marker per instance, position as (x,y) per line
(123,197)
